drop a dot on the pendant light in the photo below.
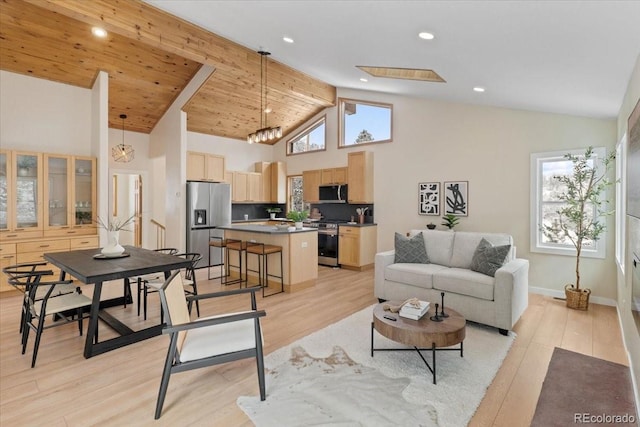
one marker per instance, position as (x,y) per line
(265,133)
(122,152)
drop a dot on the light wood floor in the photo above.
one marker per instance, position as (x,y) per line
(120,387)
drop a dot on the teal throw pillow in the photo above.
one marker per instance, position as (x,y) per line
(411,249)
(487,258)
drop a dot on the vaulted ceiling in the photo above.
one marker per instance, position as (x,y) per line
(150,56)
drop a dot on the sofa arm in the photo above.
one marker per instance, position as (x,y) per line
(511,291)
(383,260)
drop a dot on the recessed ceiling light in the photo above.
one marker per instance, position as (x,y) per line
(478,89)
(363,80)
(426,36)
(287,39)
(268,110)
(99,32)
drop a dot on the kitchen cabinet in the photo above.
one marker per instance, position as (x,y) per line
(310,184)
(254,187)
(274,181)
(21,206)
(239,186)
(205,167)
(333,176)
(360,177)
(357,247)
(69,195)
(278,182)
(7,258)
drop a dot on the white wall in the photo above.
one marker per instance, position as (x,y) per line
(239,156)
(41,115)
(629,331)
(490,148)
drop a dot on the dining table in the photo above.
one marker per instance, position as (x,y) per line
(89,266)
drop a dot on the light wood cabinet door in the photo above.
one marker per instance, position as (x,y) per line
(7,258)
(360,177)
(310,184)
(278,182)
(349,246)
(215,168)
(340,175)
(239,187)
(326,176)
(254,187)
(196,166)
(264,169)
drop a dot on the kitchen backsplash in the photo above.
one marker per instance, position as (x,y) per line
(344,211)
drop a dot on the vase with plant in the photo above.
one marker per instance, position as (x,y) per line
(580,220)
(273,211)
(450,221)
(113,227)
(297,217)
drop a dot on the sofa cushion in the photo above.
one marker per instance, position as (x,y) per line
(420,275)
(488,258)
(439,245)
(410,249)
(466,242)
(464,282)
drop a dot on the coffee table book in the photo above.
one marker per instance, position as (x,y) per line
(411,312)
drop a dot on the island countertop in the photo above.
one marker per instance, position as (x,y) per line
(264,229)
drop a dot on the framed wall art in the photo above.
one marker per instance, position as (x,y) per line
(429,198)
(456,195)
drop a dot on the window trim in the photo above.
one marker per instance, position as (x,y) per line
(341,103)
(307,130)
(536,245)
(621,206)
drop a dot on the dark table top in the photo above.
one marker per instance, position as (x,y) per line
(82,265)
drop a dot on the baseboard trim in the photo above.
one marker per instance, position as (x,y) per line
(560,294)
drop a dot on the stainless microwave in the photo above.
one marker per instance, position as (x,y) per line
(333,193)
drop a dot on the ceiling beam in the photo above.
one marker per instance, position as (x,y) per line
(137,20)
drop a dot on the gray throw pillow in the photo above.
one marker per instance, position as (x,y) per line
(487,258)
(411,249)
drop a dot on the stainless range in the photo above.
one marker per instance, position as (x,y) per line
(327,242)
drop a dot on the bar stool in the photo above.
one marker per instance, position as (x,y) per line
(263,251)
(239,246)
(219,243)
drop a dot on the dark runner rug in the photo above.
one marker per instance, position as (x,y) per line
(581,389)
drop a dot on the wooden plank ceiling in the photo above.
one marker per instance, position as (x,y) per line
(150,57)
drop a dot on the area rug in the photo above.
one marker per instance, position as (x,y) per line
(580,389)
(330,378)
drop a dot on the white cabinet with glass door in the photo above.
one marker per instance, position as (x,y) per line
(20,202)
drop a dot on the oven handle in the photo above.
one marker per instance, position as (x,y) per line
(328,233)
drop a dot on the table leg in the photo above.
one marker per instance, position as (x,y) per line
(433,351)
(93,320)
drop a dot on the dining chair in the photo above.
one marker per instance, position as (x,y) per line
(188,279)
(143,280)
(65,308)
(21,276)
(207,341)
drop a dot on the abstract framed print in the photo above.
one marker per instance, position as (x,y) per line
(456,196)
(429,198)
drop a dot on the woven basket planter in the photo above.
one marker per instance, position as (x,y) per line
(577,299)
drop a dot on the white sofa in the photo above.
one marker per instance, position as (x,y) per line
(495,301)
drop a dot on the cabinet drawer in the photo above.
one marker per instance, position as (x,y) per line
(43,246)
(87,242)
(7,248)
(354,231)
(70,231)
(34,256)
(24,233)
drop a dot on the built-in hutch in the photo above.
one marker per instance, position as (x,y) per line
(47,204)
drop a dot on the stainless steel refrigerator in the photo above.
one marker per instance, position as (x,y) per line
(208,206)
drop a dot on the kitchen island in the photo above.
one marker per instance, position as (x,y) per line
(299,254)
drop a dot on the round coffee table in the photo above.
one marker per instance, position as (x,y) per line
(423,334)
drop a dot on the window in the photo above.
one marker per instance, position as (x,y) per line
(621,209)
(545,202)
(363,122)
(294,190)
(311,139)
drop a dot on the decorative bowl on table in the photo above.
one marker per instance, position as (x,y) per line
(282,227)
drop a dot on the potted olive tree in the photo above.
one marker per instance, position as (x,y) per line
(581,218)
